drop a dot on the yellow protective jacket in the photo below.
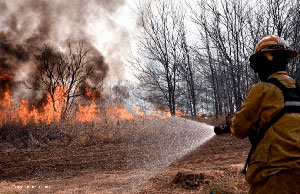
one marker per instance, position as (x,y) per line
(280,147)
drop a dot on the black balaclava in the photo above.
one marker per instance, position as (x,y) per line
(265,67)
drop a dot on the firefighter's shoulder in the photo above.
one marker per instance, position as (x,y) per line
(262,87)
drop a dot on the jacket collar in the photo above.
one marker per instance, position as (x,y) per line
(276,74)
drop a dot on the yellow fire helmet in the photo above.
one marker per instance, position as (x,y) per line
(273,43)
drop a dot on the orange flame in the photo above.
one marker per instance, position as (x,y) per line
(162,114)
(7,107)
(178,113)
(91,95)
(119,112)
(6,76)
(50,112)
(138,112)
(23,112)
(53,109)
(87,113)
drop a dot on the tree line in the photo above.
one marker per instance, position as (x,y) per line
(195,57)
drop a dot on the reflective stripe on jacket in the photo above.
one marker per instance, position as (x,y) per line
(280,147)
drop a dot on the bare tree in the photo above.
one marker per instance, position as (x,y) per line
(293,29)
(45,77)
(120,93)
(279,12)
(223,30)
(228,30)
(70,70)
(187,69)
(158,44)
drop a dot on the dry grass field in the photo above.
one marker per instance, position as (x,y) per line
(150,156)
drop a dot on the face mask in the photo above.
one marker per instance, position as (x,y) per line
(260,64)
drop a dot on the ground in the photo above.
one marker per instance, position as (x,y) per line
(219,160)
(158,156)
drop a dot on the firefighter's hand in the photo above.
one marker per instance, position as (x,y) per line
(221,129)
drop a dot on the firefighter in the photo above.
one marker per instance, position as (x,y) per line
(274,166)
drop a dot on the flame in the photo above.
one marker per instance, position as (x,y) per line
(162,114)
(24,114)
(138,112)
(91,95)
(119,112)
(178,113)
(87,113)
(166,114)
(200,114)
(6,76)
(52,110)
(7,107)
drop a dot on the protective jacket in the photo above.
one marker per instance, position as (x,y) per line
(279,150)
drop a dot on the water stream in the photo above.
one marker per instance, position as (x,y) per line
(171,140)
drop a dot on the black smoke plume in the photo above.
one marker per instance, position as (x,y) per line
(28,25)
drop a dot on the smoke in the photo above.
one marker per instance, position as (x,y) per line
(26,25)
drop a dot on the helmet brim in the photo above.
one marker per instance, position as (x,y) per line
(291,53)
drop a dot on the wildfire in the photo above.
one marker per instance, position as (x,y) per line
(53,109)
(178,113)
(119,112)
(6,106)
(50,112)
(138,112)
(5,76)
(162,114)
(87,113)
(91,95)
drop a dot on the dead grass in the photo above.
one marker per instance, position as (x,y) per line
(209,119)
(227,180)
(7,188)
(215,166)
(32,136)
(61,134)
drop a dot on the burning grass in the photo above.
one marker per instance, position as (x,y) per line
(52,110)
(24,125)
